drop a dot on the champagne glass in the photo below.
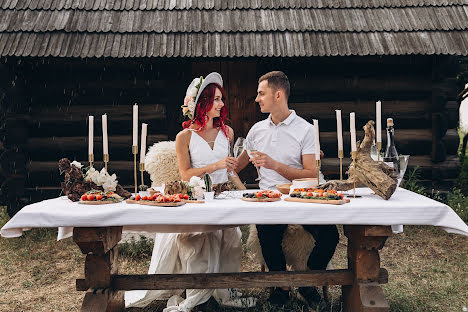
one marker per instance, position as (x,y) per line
(403,165)
(249,146)
(238,147)
(236,150)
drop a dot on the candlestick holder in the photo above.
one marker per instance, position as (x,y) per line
(340,156)
(105,157)
(379,147)
(143,187)
(354,156)
(317,164)
(91,160)
(135,152)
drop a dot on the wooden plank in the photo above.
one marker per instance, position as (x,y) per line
(234,280)
(97,240)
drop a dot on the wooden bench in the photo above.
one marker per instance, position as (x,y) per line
(360,282)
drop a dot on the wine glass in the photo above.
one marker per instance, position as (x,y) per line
(249,146)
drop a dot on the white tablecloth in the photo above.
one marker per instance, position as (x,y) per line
(404,207)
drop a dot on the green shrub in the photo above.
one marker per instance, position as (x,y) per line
(461,182)
(143,248)
(411,181)
(459,203)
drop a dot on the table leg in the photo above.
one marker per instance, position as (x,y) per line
(365,294)
(100,247)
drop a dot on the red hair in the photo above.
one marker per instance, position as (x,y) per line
(204,105)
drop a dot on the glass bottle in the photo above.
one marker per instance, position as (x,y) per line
(391,155)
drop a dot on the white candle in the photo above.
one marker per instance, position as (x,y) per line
(135,125)
(339,130)
(317,139)
(144,129)
(378,127)
(352,128)
(105,147)
(90,135)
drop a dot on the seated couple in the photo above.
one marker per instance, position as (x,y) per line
(203,147)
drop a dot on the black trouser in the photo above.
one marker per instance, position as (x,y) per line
(270,237)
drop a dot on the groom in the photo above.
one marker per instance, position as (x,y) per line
(285,147)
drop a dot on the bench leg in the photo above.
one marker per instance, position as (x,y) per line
(365,294)
(100,247)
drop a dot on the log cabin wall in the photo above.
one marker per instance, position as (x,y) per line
(47,102)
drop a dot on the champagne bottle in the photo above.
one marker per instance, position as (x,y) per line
(391,155)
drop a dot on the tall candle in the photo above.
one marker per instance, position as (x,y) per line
(317,139)
(339,129)
(135,125)
(144,129)
(352,128)
(105,147)
(378,108)
(90,135)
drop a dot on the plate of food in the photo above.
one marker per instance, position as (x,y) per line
(312,195)
(262,196)
(159,200)
(97,197)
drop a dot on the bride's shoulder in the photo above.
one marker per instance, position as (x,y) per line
(184,135)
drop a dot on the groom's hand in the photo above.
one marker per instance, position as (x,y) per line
(260,159)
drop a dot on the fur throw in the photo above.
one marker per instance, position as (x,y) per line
(161,163)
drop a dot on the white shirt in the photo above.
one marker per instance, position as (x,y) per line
(285,142)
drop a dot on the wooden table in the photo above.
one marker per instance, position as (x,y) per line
(360,282)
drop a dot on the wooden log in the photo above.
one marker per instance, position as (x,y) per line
(81,112)
(235,280)
(13,161)
(98,241)
(391,83)
(107,300)
(15,131)
(77,147)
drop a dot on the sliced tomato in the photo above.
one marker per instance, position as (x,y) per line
(99,197)
(91,197)
(84,197)
(138,197)
(186,196)
(144,198)
(259,194)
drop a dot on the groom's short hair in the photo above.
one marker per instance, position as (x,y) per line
(277,80)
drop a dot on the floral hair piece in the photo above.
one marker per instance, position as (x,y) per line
(188,109)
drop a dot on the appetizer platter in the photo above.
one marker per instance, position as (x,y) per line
(159,200)
(96,197)
(262,196)
(311,195)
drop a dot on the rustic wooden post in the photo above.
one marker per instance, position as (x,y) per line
(100,247)
(365,294)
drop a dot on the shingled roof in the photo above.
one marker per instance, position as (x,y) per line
(232,28)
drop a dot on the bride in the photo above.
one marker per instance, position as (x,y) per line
(202,148)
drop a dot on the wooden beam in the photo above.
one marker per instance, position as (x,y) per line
(229,280)
(97,240)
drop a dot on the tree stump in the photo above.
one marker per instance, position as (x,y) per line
(378,176)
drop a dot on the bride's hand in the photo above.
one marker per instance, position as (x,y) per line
(229,163)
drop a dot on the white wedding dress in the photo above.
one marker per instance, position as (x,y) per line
(201,252)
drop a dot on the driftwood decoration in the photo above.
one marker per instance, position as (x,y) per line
(378,176)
